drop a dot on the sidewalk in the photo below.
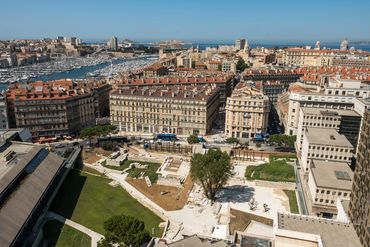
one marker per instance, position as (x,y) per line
(95,237)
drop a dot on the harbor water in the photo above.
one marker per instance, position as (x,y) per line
(112,67)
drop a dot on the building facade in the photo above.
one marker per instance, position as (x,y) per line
(359,208)
(240,44)
(181,110)
(346,122)
(328,182)
(56,108)
(247,112)
(113,44)
(4,124)
(224,83)
(324,144)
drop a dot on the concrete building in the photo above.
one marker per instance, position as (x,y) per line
(240,44)
(298,95)
(113,43)
(344,45)
(328,182)
(181,110)
(247,112)
(28,177)
(306,231)
(346,122)
(324,144)
(344,87)
(193,241)
(359,208)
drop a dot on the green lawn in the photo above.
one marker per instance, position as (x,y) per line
(59,235)
(135,172)
(90,200)
(292,201)
(277,170)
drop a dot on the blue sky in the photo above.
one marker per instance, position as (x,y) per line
(272,20)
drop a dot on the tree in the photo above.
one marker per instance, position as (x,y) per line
(124,231)
(219,67)
(232,140)
(192,139)
(97,130)
(211,170)
(283,140)
(241,65)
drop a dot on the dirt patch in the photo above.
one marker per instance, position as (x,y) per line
(240,220)
(168,197)
(102,152)
(90,156)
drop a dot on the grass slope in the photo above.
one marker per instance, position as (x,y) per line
(90,200)
(59,235)
(292,201)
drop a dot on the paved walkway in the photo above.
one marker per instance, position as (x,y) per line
(95,237)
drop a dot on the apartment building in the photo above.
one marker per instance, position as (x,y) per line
(4,124)
(284,76)
(214,65)
(359,207)
(304,57)
(328,181)
(346,122)
(155,71)
(247,112)
(181,110)
(324,144)
(272,89)
(352,62)
(308,57)
(224,83)
(229,66)
(54,108)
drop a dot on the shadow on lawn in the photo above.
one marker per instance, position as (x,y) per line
(52,230)
(68,195)
(235,194)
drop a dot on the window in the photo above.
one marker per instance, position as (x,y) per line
(345,194)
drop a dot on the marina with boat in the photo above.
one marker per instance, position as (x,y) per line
(75,68)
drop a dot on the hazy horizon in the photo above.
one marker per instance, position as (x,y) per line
(204,20)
